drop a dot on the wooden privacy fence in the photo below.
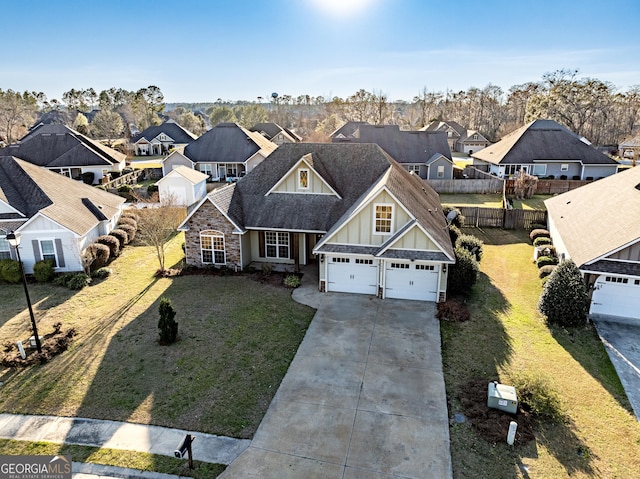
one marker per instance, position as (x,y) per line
(549,187)
(468,186)
(502,218)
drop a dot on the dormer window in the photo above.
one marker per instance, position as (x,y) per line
(383,219)
(303,179)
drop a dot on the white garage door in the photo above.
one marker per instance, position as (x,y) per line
(352,275)
(411,281)
(616,296)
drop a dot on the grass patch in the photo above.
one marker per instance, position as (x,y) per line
(113,457)
(236,339)
(598,435)
(479,200)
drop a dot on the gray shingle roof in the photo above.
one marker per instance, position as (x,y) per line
(542,140)
(403,146)
(269,130)
(170,128)
(600,217)
(352,170)
(348,129)
(56,146)
(72,204)
(228,143)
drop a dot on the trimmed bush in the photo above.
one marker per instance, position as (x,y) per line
(101,273)
(458,221)
(540,240)
(121,235)
(464,274)
(166,324)
(538,226)
(88,177)
(546,270)
(78,281)
(126,220)
(564,299)
(130,213)
(129,230)
(547,250)
(63,279)
(43,271)
(292,281)
(454,233)
(10,271)
(537,233)
(536,395)
(472,244)
(101,253)
(112,243)
(546,260)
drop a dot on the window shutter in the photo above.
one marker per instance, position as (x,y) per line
(36,250)
(59,252)
(261,247)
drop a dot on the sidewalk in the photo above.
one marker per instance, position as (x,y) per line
(119,435)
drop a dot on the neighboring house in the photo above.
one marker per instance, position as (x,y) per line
(173,160)
(275,133)
(65,151)
(545,148)
(426,153)
(182,186)
(348,130)
(161,139)
(597,226)
(630,149)
(56,216)
(370,226)
(228,151)
(459,138)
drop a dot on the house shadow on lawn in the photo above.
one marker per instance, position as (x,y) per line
(236,339)
(585,346)
(473,354)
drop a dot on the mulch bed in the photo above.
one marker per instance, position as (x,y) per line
(52,344)
(274,278)
(493,424)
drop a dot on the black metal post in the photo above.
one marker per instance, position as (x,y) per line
(26,293)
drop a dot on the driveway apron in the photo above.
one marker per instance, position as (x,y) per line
(363,398)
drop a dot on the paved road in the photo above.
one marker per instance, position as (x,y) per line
(363,398)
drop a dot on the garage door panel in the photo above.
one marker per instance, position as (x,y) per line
(616,296)
(352,275)
(412,281)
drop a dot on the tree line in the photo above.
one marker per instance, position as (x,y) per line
(589,107)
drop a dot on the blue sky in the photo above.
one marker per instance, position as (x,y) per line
(198,51)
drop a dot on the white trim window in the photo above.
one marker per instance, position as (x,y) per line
(413,169)
(48,251)
(440,171)
(276,244)
(564,167)
(539,169)
(212,247)
(303,179)
(206,168)
(383,219)
(5,249)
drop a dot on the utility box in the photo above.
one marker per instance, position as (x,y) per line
(502,397)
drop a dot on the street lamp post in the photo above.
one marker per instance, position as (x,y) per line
(14,240)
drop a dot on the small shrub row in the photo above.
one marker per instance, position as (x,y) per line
(75,281)
(545,271)
(43,271)
(472,244)
(538,233)
(10,271)
(541,240)
(546,260)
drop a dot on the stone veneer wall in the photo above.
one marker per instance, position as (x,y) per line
(209,218)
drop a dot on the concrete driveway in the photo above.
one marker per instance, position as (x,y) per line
(621,339)
(363,398)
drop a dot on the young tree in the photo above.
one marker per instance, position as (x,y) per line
(222,114)
(191,122)
(250,115)
(81,124)
(157,226)
(564,299)
(17,113)
(166,324)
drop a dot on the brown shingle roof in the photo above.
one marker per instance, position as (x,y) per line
(70,203)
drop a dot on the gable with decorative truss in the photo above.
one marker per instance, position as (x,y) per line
(302,178)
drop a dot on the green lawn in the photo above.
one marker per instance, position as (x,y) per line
(492,201)
(237,338)
(507,335)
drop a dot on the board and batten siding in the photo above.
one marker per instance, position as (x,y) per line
(359,229)
(415,239)
(316,185)
(630,253)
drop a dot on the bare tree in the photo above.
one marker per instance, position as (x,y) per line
(107,125)
(158,225)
